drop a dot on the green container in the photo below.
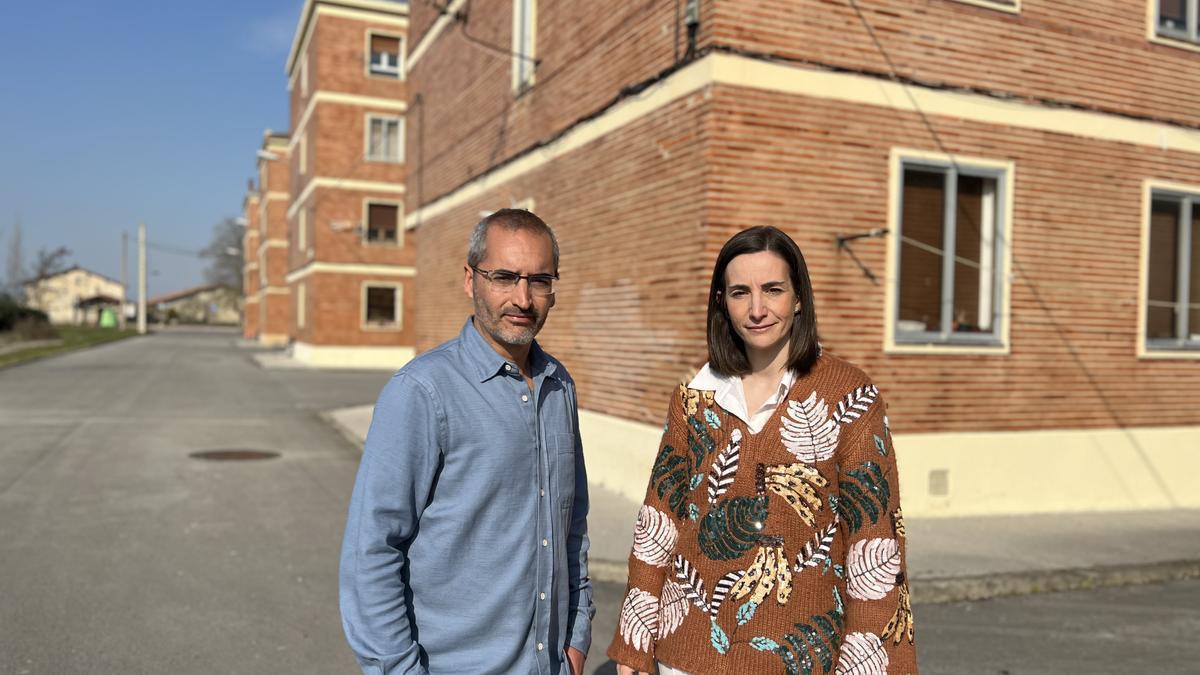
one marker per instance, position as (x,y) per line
(108,318)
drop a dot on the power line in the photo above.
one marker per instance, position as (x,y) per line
(1032,285)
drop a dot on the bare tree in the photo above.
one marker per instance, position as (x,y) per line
(50,262)
(225,255)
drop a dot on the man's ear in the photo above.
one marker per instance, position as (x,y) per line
(468,282)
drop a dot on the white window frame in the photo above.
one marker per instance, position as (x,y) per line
(372,118)
(1178,348)
(397,307)
(1012,7)
(366,221)
(1188,36)
(949,342)
(369,67)
(524,45)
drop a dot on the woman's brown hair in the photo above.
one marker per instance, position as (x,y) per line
(726,351)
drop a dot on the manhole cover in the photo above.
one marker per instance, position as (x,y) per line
(233,455)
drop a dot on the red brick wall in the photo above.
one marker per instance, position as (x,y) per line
(631,236)
(1075,243)
(588,52)
(335,309)
(1093,54)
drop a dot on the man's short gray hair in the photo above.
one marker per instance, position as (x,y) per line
(509,219)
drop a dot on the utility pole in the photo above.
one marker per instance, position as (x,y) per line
(141,325)
(124,281)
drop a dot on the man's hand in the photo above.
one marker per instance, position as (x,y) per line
(575,660)
(626,670)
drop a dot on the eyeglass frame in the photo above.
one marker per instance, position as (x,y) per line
(487,274)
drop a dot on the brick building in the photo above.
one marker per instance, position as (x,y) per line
(1053,149)
(349,262)
(250,286)
(271,254)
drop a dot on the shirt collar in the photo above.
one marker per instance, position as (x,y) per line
(488,362)
(727,390)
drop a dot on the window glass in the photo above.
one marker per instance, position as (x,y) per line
(381,305)
(1163,269)
(382,222)
(921,251)
(1173,14)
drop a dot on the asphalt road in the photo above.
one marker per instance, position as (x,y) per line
(119,553)
(1111,631)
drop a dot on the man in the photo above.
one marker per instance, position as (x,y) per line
(466,544)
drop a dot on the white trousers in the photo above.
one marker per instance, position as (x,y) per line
(664,669)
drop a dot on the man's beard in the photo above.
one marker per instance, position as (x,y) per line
(493,324)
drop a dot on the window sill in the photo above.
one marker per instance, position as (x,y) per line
(1007,8)
(1176,42)
(381,328)
(1168,354)
(946,348)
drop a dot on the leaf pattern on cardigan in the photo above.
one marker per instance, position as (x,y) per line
(862,654)
(769,571)
(732,527)
(724,468)
(871,568)
(673,607)
(654,537)
(797,483)
(639,619)
(816,550)
(855,404)
(808,431)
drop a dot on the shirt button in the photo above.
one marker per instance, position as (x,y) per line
(542,492)
(524,398)
(545,543)
(541,596)
(508,367)
(541,646)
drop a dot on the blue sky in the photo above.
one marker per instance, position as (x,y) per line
(119,112)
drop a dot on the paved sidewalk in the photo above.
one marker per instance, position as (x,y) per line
(966,558)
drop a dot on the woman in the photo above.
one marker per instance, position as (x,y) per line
(771,538)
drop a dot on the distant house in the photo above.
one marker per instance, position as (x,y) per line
(213,304)
(74,295)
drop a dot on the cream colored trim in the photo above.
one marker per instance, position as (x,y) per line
(270,243)
(276,195)
(1143,352)
(432,34)
(999,6)
(393,14)
(892,274)
(331,183)
(397,307)
(988,472)
(302,229)
(367,73)
(301,307)
(273,339)
(320,356)
(302,155)
(351,268)
(739,71)
(271,290)
(363,224)
(333,97)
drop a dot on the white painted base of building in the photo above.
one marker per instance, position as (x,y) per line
(968,474)
(273,339)
(370,358)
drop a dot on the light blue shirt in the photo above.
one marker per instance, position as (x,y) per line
(466,543)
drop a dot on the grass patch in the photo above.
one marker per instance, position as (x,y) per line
(73,337)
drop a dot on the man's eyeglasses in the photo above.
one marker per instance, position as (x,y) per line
(504,280)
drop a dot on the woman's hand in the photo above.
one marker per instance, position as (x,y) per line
(626,670)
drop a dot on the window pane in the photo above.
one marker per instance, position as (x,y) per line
(1194,277)
(381,305)
(921,251)
(1160,287)
(383,44)
(392,149)
(974,262)
(375,144)
(381,222)
(1172,14)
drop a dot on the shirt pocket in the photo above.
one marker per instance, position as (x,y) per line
(563,456)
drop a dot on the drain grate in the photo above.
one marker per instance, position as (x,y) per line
(233,455)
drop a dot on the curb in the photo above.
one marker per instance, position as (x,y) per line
(943,590)
(352,438)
